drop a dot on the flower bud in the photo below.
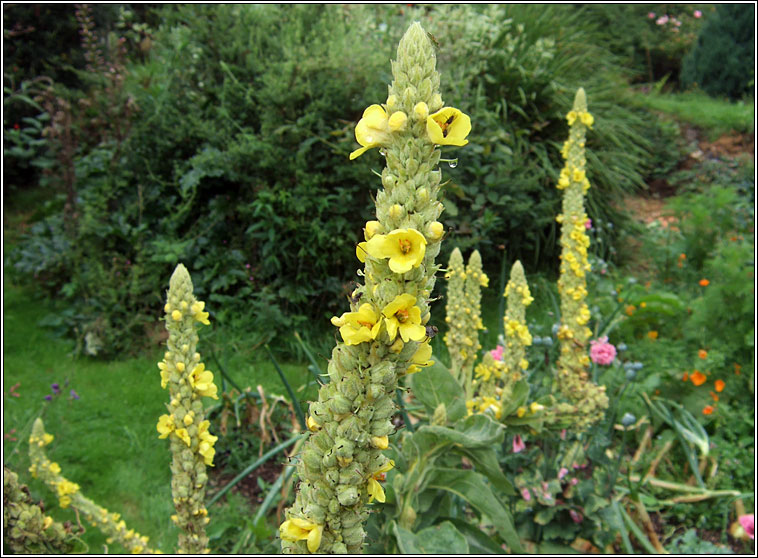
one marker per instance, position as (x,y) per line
(421,110)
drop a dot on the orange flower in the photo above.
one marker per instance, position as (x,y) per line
(734,239)
(652,335)
(707,410)
(702,354)
(737,369)
(698,378)
(630,309)
(682,256)
(685,377)
(720,384)
(647,285)
(704,282)
(714,396)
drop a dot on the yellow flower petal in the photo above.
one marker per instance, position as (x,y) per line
(405,249)
(448,126)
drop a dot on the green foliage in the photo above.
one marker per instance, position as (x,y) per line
(691,543)
(653,38)
(722,60)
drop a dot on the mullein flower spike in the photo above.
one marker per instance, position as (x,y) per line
(26,528)
(69,494)
(185,425)
(383,336)
(590,401)
(464,297)
(495,378)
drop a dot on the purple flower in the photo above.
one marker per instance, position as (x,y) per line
(56,388)
(602,352)
(48,398)
(74,395)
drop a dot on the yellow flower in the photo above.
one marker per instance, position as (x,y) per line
(205,447)
(434,230)
(176,315)
(198,314)
(380,442)
(183,436)
(55,468)
(372,130)
(421,358)
(571,117)
(372,227)
(587,119)
(360,326)
(202,381)
(165,425)
(448,126)
(312,425)
(405,249)
(521,412)
(403,315)
(375,489)
(421,110)
(165,374)
(397,121)
(46,439)
(297,529)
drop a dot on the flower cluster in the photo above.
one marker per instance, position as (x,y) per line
(463,314)
(188,381)
(384,335)
(26,528)
(573,333)
(698,379)
(69,494)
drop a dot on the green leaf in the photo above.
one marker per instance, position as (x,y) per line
(485,461)
(518,397)
(478,541)
(470,486)
(545,515)
(437,539)
(435,385)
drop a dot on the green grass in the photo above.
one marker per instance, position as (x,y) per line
(105,441)
(715,116)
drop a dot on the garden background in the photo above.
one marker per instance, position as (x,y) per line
(140,136)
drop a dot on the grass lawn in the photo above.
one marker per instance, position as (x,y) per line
(697,108)
(106,440)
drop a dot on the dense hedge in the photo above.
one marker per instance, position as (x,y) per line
(722,61)
(236,163)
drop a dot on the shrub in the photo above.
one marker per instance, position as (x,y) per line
(722,61)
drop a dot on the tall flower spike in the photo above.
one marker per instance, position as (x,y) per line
(464,296)
(69,494)
(517,336)
(185,425)
(589,400)
(384,334)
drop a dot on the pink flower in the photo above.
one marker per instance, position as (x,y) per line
(574,481)
(748,524)
(562,473)
(497,353)
(698,14)
(651,15)
(518,444)
(525,494)
(588,224)
(602,352)
(576,516)
(563,434)
(663,20)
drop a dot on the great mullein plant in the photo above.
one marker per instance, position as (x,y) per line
(464,315)
(188,382)
(500,369)
(26,528)
(384,335)
(69,494)
(589,401)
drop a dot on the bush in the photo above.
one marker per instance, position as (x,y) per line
(722,61)
(237,159)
